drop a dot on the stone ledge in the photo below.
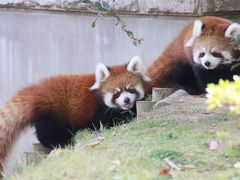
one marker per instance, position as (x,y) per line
(146,7)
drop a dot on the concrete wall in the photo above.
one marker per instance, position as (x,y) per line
(36,44)
(149,7)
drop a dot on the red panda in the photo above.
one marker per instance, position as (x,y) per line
(61,105)
(202,53)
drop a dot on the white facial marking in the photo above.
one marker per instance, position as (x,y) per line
(126,100)
(227,57)
(209,58)
(196,53)
(108,100)
(140,90)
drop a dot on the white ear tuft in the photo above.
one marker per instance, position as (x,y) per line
(135,66)
(101,74)
(197,30)
(232,31)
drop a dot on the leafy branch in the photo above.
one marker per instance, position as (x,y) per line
(103,8)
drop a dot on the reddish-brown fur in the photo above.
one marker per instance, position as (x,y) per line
(68,97)
(160,70)
(64,95)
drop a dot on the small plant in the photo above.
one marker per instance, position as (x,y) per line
(222,135)
(104,8)
(161,154)
(225,93)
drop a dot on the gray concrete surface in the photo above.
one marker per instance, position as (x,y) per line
(149,7)
(37,44)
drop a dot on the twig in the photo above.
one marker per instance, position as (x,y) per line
(172,164)
(107,10)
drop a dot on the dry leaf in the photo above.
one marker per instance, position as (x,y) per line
(164,172)
(188,166)
(93,144)
(172,164)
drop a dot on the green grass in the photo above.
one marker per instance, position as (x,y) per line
(135,151)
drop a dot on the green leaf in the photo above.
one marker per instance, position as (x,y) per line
(106,5)
(235,66)
(99,6)
(86,1)
(238,39)
(75,3)
(93,24)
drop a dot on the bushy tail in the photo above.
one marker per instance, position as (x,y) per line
(14,116)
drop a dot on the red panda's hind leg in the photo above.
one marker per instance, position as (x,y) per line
(53,132)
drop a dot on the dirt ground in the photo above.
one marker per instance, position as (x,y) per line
(186,108)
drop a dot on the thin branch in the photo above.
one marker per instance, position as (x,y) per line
(103,8)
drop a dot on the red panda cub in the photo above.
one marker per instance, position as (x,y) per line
(203,52)
(61,105)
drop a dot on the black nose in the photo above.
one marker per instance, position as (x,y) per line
(126,100)
(207,63)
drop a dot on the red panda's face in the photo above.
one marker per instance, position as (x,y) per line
(212,45)
(212,51)
(121,86)
(122,90)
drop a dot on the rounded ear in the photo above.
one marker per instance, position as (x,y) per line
(232,31)
(135,66)
(196,32)
(101,74)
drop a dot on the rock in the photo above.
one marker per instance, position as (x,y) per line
(173,98)
(213,145)
(144,107)
(161,93)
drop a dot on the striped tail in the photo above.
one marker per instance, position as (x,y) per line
(15,115)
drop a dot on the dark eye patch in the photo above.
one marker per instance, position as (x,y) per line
(236,54)
(116,94)
(131,90)
(217,54)
(201,54)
